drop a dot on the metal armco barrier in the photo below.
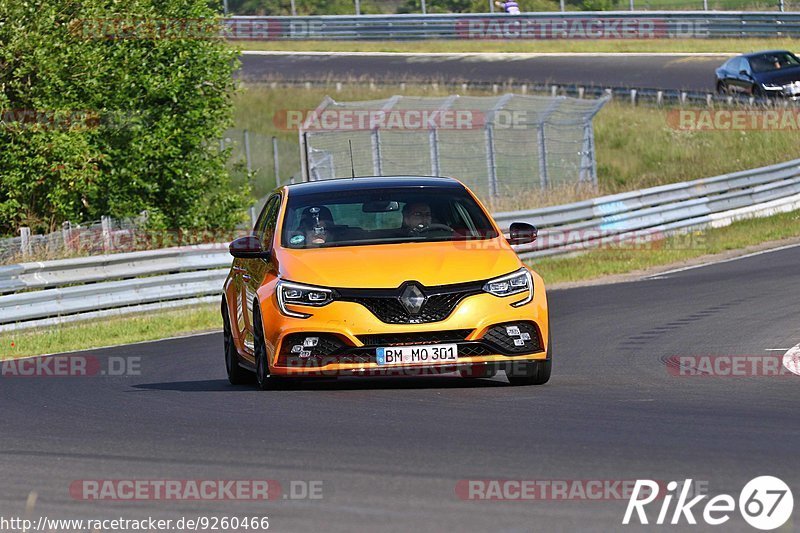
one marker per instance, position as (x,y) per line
(47,293)
(654,213)
(532,26)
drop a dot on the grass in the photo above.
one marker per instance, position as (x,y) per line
(109,332)
(728,46)
(635,146)
(609,261)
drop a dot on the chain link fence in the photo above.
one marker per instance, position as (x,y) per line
(498,145)
(266,162)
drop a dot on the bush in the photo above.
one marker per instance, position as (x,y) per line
(95,125)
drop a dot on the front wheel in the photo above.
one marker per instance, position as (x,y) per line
(531,372)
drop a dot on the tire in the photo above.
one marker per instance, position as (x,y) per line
(757,92)
(264,378)
(478,372)
(531,372)
(722,88)
(236,374)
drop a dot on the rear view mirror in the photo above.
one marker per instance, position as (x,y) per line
(522,233)
(248,247)
(380,206)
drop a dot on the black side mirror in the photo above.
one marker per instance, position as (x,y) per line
(248,247)
(522,233)
(744,73)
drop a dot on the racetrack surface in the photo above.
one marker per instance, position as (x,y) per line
(390,451)
(658,71)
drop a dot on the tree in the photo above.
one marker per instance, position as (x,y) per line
(114,107)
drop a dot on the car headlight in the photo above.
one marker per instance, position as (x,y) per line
(518,282)
(299,294)
(771,87)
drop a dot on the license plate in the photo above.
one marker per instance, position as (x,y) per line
(418,355)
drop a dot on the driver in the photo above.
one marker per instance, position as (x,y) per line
(416,217)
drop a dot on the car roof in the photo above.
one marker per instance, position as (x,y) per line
(372,182)
(762,52)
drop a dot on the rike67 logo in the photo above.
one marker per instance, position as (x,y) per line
(766,503)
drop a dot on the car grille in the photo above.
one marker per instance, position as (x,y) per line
(427,337)
(385,303)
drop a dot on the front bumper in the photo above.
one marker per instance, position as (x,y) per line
(348,334)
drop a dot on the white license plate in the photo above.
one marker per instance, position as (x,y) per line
(418,355)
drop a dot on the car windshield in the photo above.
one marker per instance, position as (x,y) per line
(773,61)
(383,216)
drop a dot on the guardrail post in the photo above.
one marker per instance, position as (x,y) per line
(659,98)
(358,7)
(632,5)
(633,96)
(424,8)
(105,224)
(25,241)
(781,6)
(562,6)
(276,165)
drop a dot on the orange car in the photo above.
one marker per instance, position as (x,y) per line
(376,276)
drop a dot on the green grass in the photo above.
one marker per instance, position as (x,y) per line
(609,261)
(729,46)
(109,332)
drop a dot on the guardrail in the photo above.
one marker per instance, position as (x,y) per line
(526,26)
(656,212)
(47,293)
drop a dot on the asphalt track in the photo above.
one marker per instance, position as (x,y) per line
(390,451)
(657,71)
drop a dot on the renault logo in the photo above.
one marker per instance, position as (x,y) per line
(412,299)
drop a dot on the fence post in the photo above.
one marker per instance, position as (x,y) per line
(491,164)
(632,5)
(588,170)
(563,7)
(294,9)
(705,5)
(66,234)
(358,7)
(424,8)
(781,6)
(491,6)
(25,241)
(276,165)
(433,140)
(377,167)
(540,141)
(105,224)
(247,151)
(304,170)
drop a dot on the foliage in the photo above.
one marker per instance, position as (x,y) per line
(103,115)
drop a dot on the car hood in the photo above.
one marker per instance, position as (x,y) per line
(780,77)
(389,265)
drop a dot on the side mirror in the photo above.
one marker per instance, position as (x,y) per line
(522,233)
(744,73)
(248,247)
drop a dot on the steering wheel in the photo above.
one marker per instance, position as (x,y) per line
(433,227)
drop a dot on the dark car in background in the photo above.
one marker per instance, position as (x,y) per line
(770,73)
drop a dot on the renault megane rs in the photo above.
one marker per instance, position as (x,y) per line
(377,276)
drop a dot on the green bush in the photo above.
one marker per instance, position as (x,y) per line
(97,121)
